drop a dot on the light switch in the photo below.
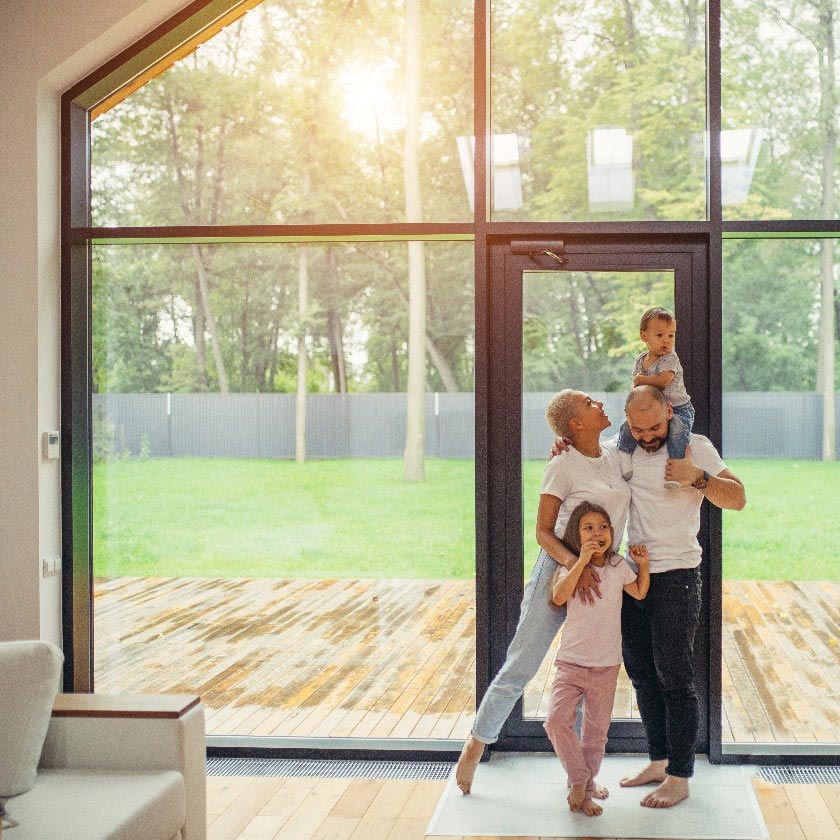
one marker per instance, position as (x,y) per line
(51,445)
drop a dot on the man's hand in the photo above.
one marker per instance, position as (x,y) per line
(559,446)
(682,469)
(587,584)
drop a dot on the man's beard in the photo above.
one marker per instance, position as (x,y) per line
(655,445)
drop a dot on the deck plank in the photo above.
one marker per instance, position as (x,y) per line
(395,658)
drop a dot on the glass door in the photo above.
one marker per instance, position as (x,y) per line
(571,312)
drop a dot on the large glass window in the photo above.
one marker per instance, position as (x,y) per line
(256,539)
(297,115)
(780,109)
(598,110)
(781,556)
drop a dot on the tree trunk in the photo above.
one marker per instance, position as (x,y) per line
(447,377)
(336,336)
(199,326)
(828,112)
(395,369)
(415,433)
(300,403)
(201,275)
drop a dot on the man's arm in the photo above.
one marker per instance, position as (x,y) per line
(724,490)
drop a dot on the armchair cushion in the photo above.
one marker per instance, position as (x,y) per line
(29,679)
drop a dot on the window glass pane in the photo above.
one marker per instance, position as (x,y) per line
(296,115)
(780,554)
(599,110)
(580,330)
(780,109)
(260,543)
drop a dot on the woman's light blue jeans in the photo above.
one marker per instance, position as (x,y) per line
(539,621)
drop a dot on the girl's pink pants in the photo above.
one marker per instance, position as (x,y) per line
(581,757)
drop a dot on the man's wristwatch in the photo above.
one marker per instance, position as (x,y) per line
(702,482)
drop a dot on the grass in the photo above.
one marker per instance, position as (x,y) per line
(354,518)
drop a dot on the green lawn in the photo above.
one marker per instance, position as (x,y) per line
(352,518)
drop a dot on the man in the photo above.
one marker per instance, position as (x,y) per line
(658,632)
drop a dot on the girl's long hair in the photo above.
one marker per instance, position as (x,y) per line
(571,536)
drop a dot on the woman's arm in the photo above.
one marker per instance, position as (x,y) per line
(546,538)
(639,588)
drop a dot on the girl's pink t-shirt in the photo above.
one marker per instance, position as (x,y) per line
(592,632)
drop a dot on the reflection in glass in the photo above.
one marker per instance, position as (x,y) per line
(779,80)
(609,102)
(780,403)
(580,330)
(297,582)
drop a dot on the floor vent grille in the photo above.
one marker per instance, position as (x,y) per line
(328,768)
(793,775)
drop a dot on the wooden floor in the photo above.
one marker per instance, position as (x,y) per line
(344,809)
(395,658)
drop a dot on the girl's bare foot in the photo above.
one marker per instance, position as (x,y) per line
(467,762)
(577,796)
(672,790)
(654,773)
(590,808)
(596,791)
(599,792)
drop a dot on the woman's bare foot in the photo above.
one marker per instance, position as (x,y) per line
(672,790)
(654,773)
(590,808)
(467,762)
(577,796)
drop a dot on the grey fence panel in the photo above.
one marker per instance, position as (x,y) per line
(131,424)
(755,425)
(215,426)
(451,426)
(276,416)
(772,425)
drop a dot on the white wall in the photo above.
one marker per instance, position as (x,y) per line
(46,46)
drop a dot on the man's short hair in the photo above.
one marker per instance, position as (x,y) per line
(656,313)
(645,393)
(562,408)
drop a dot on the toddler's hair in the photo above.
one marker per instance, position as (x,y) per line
(657,313)
(571,536)
(561,408)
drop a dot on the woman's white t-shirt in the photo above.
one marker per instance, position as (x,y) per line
(574,478)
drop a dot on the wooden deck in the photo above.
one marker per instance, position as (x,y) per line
(395,659)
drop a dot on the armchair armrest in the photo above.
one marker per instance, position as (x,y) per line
(134,732)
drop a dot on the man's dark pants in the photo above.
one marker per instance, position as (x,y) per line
(658,646)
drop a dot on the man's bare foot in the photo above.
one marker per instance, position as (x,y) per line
(654,773)
(467,762)
(590,808)
(577,796)
(672,790)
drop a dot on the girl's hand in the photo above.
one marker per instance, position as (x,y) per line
(589,548)
(639,554)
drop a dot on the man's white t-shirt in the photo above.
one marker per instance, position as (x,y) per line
(667,521)
(575,478)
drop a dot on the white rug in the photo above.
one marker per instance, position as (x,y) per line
(524,794)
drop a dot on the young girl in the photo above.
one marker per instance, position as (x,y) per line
(589,656)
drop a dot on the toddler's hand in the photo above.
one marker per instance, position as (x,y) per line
(639,554)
